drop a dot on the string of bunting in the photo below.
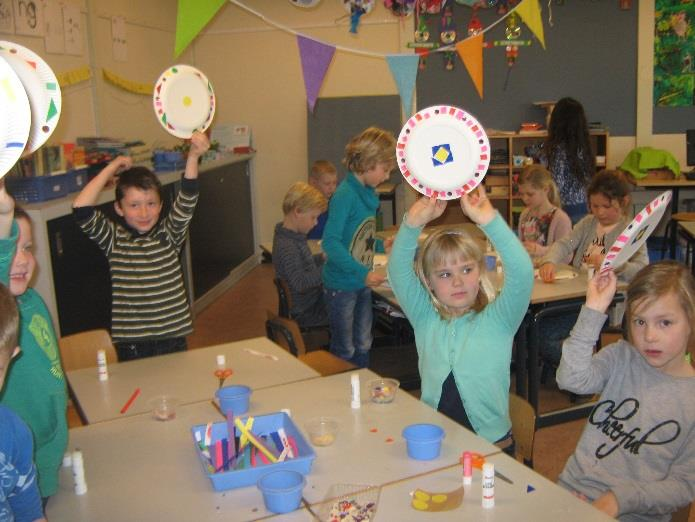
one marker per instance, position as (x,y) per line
(74,76)
(128,85)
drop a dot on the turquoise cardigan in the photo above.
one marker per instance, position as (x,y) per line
(477,347)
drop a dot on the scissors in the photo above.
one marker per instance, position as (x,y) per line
(477,460)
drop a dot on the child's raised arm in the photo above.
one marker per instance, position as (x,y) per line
(6,211)
(90,193)
(477,207)
(425,210)
(601,290)
(199,146)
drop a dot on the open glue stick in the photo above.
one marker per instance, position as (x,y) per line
(488,485)
(355,384)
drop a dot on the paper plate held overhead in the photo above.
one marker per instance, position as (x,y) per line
(42,89)
(443,152)
(184,101)
(636,233)
(15,117)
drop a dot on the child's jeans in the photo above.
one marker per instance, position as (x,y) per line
(350,319)
(129,350)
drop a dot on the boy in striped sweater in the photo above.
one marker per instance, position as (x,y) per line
(150,314)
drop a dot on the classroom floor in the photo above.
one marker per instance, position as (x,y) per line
(240,313)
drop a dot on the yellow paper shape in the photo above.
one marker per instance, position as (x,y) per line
(471,52)
(530,13)
(427,501)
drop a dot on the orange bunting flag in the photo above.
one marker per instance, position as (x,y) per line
(530,13)
(471,52)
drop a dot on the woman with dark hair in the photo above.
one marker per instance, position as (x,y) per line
(568,155)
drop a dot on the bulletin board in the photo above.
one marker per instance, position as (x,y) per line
(590,55)
(336,120)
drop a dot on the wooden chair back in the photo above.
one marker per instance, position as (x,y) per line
(284,297)
(286,333)
(523,427)
(80,350)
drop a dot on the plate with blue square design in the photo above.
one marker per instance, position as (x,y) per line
(443,152)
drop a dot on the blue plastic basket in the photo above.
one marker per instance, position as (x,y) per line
(77,178)
(39,188)
(262,425)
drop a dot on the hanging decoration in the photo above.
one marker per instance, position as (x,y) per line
(404,71)
(74,76)
(447,36)
(357,8)
(128,85)
(402,8)
(422,35)
(191,17)
(430,6)
(475,26)
(512,31)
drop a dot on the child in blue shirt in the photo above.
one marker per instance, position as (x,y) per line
(463,331)
(349,243)
(324,178)
(19,491)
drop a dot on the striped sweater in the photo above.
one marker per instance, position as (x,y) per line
(148,296)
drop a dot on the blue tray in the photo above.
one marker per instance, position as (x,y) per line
(262,425)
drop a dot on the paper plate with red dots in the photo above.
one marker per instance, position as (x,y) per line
(42,89)
(184,101)
(636,233)
(443,152)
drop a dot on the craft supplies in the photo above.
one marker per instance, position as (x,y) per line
(78,473)
(322,430)
(488,485)
(235,398)
(164,407)
(130,401)
(423,441)
(221,361)
(282,490)
(383,390)
(261,354)
(355,401)
(102,370)
(467,468)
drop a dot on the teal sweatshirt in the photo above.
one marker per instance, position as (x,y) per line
(35,385)
(349,239)
(477,346)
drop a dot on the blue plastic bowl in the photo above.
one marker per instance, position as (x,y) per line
(424,441)
(234,398)
(282,490)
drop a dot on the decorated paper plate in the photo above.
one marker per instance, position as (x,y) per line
(305,3)
(184,101)
(636,233)
(15,117)
(443,152)
(42,89)
(365,5)
(400,7)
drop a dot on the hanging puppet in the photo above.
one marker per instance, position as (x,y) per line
(447,36)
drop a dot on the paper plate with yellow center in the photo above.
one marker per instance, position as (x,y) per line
(443,152)
(184,101)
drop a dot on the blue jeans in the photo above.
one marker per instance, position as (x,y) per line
(129,350)
(350,319)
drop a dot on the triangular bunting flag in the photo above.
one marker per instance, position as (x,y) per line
(404,71)
(316,57)
(530,13)
(471,52)
(530,488)
(191,17)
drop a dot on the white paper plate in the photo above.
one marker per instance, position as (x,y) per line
(184,101)
(443,152)
(636,233)
(42,89)
(367,5)
(15,117)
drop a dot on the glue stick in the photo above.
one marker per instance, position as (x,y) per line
(102,370)
(488,485)
(78,473)
(467,468)
(355,384)
(221,362)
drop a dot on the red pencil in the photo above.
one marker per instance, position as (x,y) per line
(131,400)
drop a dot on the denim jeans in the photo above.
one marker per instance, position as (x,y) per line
(350,319)
(129,350)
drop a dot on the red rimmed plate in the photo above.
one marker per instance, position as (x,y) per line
(443,152)
(636,233)
(184,101)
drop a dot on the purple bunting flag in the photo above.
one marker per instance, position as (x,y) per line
(316,57)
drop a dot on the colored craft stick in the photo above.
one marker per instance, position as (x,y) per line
(275,437)
(263,458)
(131,400)
(245,429)
(219,461)
(208,434)
(285,442)
(293,445)
(225,455)
(253,456)
(231,449)
(252,439)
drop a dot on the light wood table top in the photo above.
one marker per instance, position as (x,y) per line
(688,227)
(188,376)
(137,468)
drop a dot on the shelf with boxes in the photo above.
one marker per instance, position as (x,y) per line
(511,152)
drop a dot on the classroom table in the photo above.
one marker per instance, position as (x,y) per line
(188,376)
(687,230)
(138,468)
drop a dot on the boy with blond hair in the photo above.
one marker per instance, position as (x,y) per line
(292,259)
(323,177)
(19,489)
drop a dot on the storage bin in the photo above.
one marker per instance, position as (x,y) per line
(262,425)
(77,178)
(39,188)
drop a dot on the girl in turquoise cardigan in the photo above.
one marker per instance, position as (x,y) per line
(463,330)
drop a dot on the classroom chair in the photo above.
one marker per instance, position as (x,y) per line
(286,333)
(79,351)
(523,427)
(670,241)
(313,335)
(683,514)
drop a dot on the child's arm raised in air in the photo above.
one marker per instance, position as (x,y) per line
(579,370)
(477,207)
(6,211)
(90,193)
(199,146)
